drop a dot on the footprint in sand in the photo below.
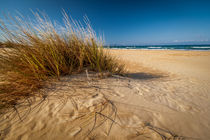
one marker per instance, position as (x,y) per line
(68,112)
(40,125)
(22,137)
(138,91)
(75,131)
(118,94)
(91,100)
(130,120)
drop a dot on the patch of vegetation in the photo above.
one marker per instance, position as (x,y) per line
(39,49)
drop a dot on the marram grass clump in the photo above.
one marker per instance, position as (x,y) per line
(39,49)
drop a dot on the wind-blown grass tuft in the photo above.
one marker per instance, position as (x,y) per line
(36,50)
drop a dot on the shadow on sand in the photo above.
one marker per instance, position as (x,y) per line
(145,76)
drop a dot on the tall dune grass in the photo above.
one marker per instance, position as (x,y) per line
(39,49)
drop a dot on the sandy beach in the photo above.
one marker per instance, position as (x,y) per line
(166,95)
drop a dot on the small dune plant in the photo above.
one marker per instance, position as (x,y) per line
(39,49)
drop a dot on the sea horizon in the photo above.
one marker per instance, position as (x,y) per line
(205,47)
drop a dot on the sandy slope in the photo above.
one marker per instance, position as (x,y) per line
(167,95)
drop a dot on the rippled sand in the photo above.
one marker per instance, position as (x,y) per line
(166,95)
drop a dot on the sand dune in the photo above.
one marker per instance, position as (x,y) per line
(166,95)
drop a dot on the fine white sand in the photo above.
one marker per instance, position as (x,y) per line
(166,95)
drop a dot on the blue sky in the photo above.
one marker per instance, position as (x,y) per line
(131,22)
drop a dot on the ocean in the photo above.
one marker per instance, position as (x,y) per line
(165,47)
